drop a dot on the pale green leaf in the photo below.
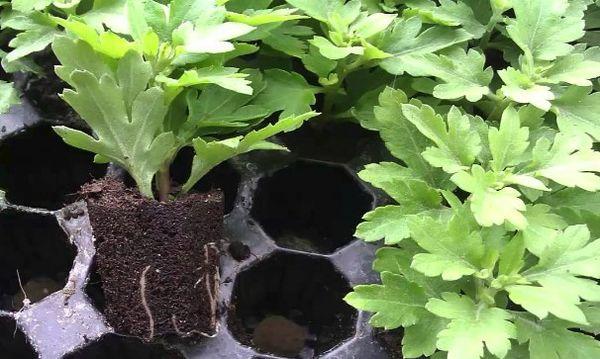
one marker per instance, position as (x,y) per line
(333,52)
(552,339)
(509,142)
(578,109)
(127,136)
(471,326)
(452,250)
(8,96)
(211,153)
(491,206)
(462,73)
(520,88)
(569,161)
(27,6)
(401,137)
(542,229)
(288,92)
(396,302)
(405,38)
(388,222)
(449,13)
(421,339)
(209,38)
(402,184)
(265,16)
(227,77)
(544,28)
(560,288)
(457,144)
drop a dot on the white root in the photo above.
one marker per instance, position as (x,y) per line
(211,291)
(145,302)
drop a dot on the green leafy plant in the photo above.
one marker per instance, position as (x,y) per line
(155,79)
(492,248)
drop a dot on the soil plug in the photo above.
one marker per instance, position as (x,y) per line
(280,336)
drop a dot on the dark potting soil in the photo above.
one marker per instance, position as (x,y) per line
(391,340)
(158,261)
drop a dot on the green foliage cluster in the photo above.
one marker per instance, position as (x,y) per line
(492,249)
(490,107)
(151,78)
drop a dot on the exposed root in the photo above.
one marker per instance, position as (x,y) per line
(145,302)
(211,290)
(26,301)
(187,334)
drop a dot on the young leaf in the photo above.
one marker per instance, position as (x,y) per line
(462,73)
(570,161)
(576,68)
(551,338)
(288,92)
(421,339)
(457,144)
(396,302)
(471,326)
(266,16)
(210,154)
(520,88)
(27,6)
(8,96)
(405,38)
(402,184)
(544,28)
(209,38)
(226,77)
(569,256)
(578,109)
(401,137)
(491,206)
(33,40)
(542,229)
(332,52)
(388,222)
(509,142)
(318,9)
(453,252)
(449,13)
(130,140)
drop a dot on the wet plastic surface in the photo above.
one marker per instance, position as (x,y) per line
(302,284)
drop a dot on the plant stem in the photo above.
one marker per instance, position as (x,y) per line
(163,184)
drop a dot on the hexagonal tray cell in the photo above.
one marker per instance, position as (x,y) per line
(40,170)
(311,206)
(331,141)
(223,177)
(113,346)
(36,247)
(13,343)
(291,305)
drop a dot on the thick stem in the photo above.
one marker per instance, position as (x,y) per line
(163,184)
